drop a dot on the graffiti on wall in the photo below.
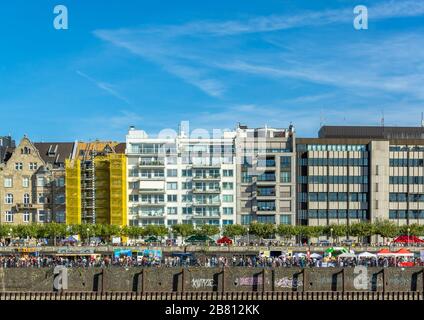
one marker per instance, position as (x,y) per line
(202,283)
(248,281)
(287,282)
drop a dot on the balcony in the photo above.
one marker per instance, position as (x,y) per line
(151,203)
(151,177)
(206,203)
(152,164)
(151,191)
(206,215)
(206,190)
(23,206)
(151,214)
(206,177)
(205,165)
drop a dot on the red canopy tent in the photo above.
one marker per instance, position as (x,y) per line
(224,240)
(404,252)
(408,239)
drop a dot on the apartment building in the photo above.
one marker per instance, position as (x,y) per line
(96,184)
(181,178)
(266,175)
(350,174)
(32,182)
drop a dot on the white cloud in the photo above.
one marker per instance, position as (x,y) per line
(104,86)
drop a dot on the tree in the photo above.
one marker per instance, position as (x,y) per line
(286,231)
(53,230)
(414,230)
(336,231)
(386,229)
(262,230)
(207,230)
(156,230)
(361,229)
(183,230)
(234,230)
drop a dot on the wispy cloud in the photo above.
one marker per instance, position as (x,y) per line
(107,87)
(359,77)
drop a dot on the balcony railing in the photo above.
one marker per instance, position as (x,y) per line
(152,163)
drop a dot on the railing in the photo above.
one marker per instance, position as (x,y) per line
(203,295)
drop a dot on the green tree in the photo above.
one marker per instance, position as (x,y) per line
(386,229)
(361,230)
(262,230)
(207,230)
(183,230)
(286,231)
(414,230)
(156,230)
(336,231)
(234,230)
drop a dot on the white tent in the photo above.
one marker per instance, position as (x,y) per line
(367,255)
(347,255)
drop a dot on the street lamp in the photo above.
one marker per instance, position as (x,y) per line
(88,235)
(408,230)
(331,235)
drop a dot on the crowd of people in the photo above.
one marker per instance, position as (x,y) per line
(40,261)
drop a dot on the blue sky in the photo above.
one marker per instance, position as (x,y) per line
(214,63)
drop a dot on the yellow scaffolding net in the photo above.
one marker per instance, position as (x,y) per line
(118,189)
(73,191)
(102,189)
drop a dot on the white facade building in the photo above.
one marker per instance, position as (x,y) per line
(177,178)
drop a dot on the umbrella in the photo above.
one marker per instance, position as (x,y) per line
(316,256)
(408,239)
(224,240)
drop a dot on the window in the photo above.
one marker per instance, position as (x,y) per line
(172,222)
(228,173)
(227,185)
(227,222)
(172,210)
(33,166)
(26,216)
(8,216)
(40,182)
(25,182)
(60,199)
(26,198)
(172,186)
(60,217)
(172,198)
(187,185)
(286,177)
(285,219)
(8,182)
(42,216)
(266,219)
(41,198)
(60,182)
(18,166)
(8,199)
(227,211)
(187,173)
(227,198)
(246,219)
(133,197)
(187,210)
(172,173)
(187,198)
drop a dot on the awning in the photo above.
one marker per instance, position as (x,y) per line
(408,239)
